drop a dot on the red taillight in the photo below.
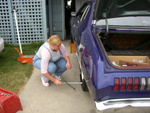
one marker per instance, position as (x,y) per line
(136,83)
(130,83)
(123,84)
(117,83)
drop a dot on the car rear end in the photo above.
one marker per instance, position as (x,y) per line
(122,35)
(120,89)
(123,75)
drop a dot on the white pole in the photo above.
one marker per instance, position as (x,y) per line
(17,30)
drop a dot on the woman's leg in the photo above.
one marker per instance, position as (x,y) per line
(61,66)
(37,62)
(51,67)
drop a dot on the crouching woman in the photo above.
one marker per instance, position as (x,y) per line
(52,59)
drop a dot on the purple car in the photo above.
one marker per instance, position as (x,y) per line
(112,41)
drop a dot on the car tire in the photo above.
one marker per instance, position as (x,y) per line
(83,85)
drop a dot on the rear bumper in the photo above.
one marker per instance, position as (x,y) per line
(1,44)
(118,103)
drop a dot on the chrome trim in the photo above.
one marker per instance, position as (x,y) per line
(119,103)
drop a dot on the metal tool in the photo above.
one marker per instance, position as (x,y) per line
(65,82)
(74,83)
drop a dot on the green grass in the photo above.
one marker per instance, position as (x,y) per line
(13,74)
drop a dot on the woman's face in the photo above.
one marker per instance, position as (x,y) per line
(56,47)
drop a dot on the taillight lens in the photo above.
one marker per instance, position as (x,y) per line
(136,83)
(143,84)
(116,84)
(148,87)
(130,83)
(123,84)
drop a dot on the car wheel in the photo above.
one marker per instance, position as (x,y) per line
(83,85)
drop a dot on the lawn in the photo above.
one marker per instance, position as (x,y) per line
(13,74)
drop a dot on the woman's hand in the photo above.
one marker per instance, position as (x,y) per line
(68,66)
(57,82)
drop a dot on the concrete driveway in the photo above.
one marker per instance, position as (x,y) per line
(36,98)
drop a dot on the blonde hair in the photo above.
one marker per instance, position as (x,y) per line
(54,39)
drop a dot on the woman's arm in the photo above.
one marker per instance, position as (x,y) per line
(66,56)
(68,65)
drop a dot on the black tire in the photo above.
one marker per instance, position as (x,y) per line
(83,85)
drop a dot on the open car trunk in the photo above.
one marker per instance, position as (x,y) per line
(127,49)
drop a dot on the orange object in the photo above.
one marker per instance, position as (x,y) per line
(24,58)
(9,102)
(72,47)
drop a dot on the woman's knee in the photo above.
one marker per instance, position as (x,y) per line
(61,63)
(52,68)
